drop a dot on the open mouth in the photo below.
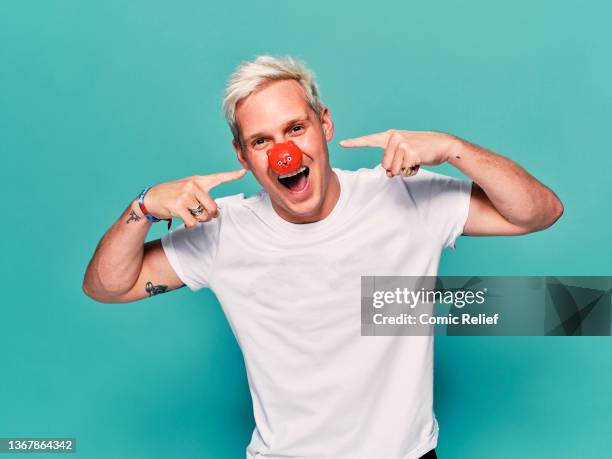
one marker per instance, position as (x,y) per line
(295,181)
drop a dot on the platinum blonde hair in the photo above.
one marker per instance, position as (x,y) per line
(251,76)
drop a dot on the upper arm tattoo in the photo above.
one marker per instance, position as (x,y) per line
(153,290)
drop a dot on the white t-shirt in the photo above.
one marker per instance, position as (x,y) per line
(292,296)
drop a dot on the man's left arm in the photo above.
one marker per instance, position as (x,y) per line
(505,199)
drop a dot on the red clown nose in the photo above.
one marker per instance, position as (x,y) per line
(285,158)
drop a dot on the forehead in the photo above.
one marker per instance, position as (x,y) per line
(272,106)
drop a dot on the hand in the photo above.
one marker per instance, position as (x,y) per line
(405,151)
(174,199)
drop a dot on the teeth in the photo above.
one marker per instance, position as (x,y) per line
(301,169)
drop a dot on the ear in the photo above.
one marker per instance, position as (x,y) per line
(327,124)
(240,155)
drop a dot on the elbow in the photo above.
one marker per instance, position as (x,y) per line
(88,284)
(558,210)
(87,290)
(555,212)
(96,295)
(550,217)
(86,287)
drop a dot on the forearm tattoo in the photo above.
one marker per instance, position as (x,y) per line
(133,217)
(153,290)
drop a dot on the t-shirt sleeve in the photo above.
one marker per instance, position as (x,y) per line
(191,252)
(442,201)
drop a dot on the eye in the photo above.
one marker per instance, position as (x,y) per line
(288,158)
(297,128)
(280,163)
(258,142)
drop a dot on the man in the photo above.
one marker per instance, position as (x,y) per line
(286,263)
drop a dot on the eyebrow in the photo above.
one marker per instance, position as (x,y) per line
(301,119)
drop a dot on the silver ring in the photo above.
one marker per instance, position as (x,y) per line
(409,171)
(197,211)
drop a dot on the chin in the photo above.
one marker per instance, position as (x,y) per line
(304,211)
(304,208)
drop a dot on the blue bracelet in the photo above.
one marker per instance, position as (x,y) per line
(144,210)
(146,213)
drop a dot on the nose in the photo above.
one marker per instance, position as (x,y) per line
(285,157)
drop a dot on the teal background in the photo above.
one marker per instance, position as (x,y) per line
(98,99)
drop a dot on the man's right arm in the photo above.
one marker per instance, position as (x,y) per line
(124,268)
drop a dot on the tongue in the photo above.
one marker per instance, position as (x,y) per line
(296,183)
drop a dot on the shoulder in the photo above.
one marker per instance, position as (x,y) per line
(239,206)
(232,201)
(426,175)
(378,175)
(429,182)
(424,186)
(364,177)
(362,173)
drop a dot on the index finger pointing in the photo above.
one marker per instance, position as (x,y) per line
(223,177)
(373,140)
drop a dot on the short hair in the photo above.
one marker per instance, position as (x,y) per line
(250,76)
